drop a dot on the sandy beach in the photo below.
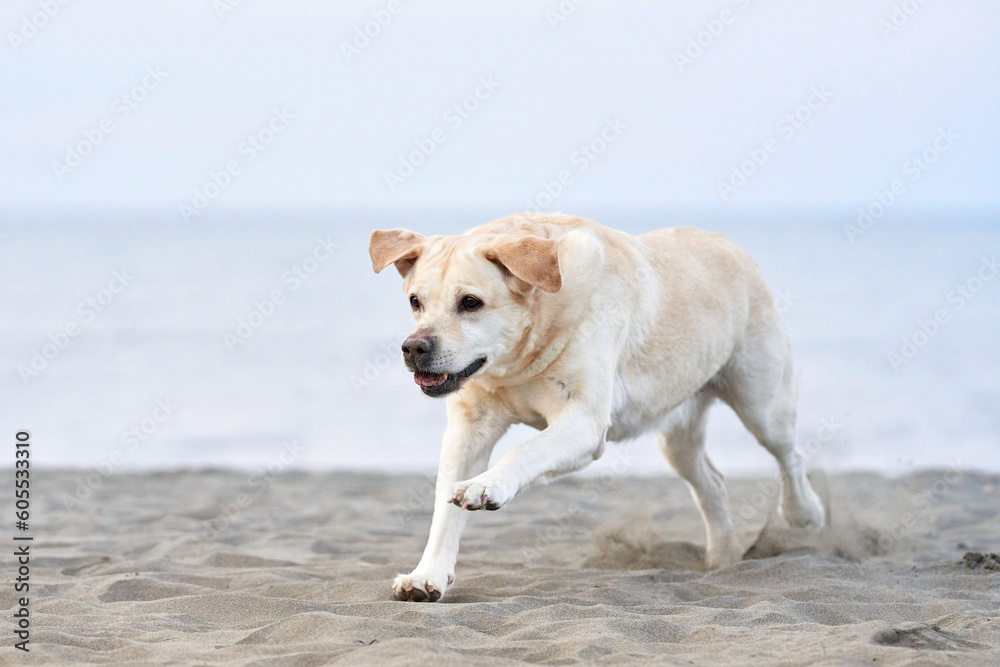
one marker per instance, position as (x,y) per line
(218,567)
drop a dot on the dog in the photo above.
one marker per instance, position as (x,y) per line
(589,334)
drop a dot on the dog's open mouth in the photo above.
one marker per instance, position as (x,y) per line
(439,384)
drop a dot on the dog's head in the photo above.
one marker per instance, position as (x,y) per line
(471,296)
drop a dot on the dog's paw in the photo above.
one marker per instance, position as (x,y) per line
(421,586)
(807,513)
(479,495)
(719,556)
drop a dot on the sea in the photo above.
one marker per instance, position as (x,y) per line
(261,339)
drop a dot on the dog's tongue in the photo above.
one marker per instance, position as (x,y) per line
(429,379)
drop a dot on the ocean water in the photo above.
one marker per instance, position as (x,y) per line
(262,339)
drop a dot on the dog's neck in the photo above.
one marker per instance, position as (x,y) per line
(541,345)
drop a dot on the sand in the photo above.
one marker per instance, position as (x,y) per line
(583,571)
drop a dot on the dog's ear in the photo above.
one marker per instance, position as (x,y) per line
(395,246)
(532,259)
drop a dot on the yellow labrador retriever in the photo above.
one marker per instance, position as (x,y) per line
(589,334)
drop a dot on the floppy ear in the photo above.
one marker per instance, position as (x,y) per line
(395,246)
(530,258)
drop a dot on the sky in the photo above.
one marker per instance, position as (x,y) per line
(553,105)
(204,146)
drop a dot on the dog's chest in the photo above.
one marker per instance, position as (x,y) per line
(526,404)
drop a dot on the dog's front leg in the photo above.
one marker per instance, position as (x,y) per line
(573,440)
(465,451)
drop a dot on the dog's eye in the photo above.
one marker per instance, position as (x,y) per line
(414,302)
(469,304)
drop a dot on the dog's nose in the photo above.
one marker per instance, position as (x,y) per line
(417,348)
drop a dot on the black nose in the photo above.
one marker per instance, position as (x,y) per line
(418,348)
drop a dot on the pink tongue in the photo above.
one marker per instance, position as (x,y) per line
(428,379)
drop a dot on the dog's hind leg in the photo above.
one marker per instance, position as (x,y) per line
(683,444)
(759,384)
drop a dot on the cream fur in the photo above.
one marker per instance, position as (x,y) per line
(644,334)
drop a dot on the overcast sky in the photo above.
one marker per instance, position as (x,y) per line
(873,88)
